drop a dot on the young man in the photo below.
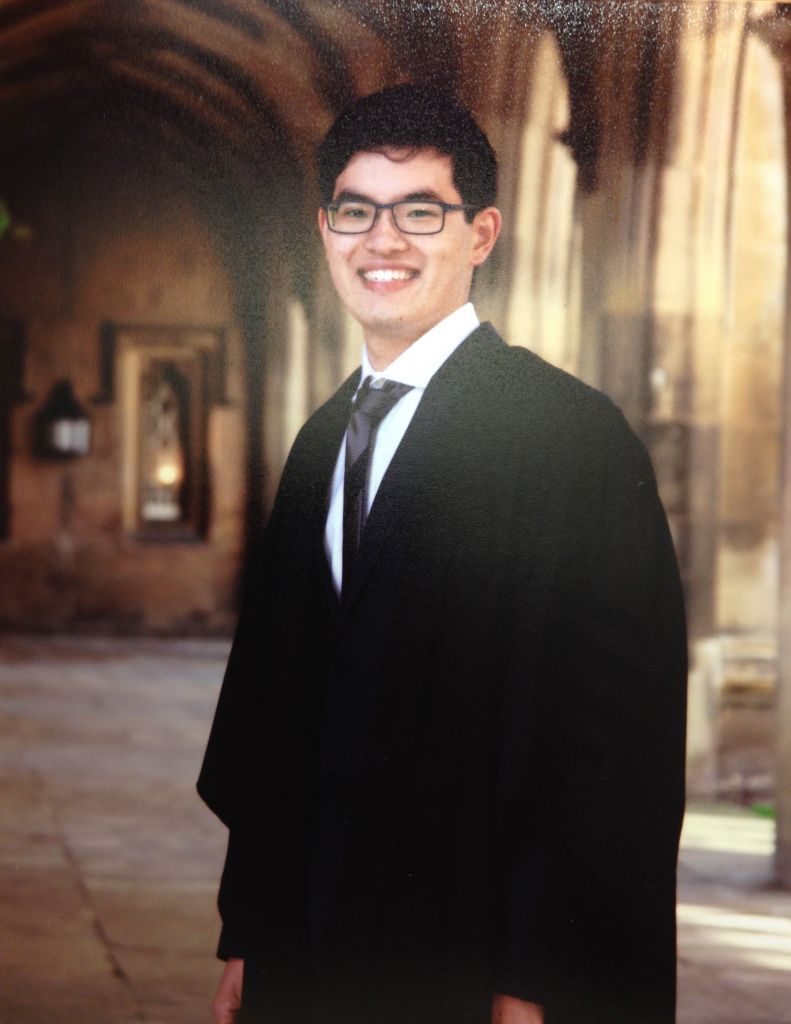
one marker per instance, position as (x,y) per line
(449,744)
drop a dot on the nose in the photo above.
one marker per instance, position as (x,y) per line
(384,235)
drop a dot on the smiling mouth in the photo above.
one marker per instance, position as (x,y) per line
(382,276)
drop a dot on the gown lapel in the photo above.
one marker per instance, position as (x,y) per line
(415,462)
(336,413)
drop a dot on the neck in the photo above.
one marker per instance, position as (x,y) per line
(385,346)
(384,351)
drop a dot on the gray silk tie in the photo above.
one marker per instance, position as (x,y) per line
(372,403)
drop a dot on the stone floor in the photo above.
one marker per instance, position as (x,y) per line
(109,863)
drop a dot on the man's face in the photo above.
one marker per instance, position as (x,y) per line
(400,285)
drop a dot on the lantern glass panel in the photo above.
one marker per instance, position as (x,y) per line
(163,381)
(164,442)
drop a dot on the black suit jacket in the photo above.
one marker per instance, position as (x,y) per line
(468,776)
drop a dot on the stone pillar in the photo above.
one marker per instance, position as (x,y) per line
(689,336)
(775,29)
(544,303)
(783,709)
(783,713)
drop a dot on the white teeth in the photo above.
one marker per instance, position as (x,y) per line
(383,276)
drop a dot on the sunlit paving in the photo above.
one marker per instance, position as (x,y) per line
(734,926)
(728,833)
(774,929)
(754,939)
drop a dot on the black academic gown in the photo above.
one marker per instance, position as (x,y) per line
(467,777)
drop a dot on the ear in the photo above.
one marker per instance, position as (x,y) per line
(322,221)
(486,227)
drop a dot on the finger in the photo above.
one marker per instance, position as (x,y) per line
(224,1009)
(223,1013)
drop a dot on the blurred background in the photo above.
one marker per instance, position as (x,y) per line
(167,324)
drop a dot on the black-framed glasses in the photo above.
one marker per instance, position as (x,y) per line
(411,216)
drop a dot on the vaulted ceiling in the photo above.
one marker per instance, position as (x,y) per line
(226,88)
(234,78)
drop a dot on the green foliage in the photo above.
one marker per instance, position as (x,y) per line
(5,218)
(12,228)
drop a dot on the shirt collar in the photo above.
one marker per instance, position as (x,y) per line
(418,363)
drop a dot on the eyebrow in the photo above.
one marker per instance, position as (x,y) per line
(355,197)
(412,197)
(427,194)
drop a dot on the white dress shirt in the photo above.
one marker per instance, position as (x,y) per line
(415,366)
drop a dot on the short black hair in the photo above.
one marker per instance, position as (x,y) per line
(412,117)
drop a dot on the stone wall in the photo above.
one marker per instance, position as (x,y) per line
(111,242)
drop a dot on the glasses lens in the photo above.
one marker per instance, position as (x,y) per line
(424,218)
(351,217)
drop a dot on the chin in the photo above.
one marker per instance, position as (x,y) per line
(385,329)
(383,322)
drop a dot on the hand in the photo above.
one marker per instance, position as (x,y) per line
(229,993)
(510,1010)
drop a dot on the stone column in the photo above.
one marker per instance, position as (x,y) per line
(775,29)
(783,716)
(689,336)
(783,710)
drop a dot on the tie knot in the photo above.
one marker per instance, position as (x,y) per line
(377,397)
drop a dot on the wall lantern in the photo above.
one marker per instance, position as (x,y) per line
(63,427)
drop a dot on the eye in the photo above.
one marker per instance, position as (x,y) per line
(352,211)
(421,211)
